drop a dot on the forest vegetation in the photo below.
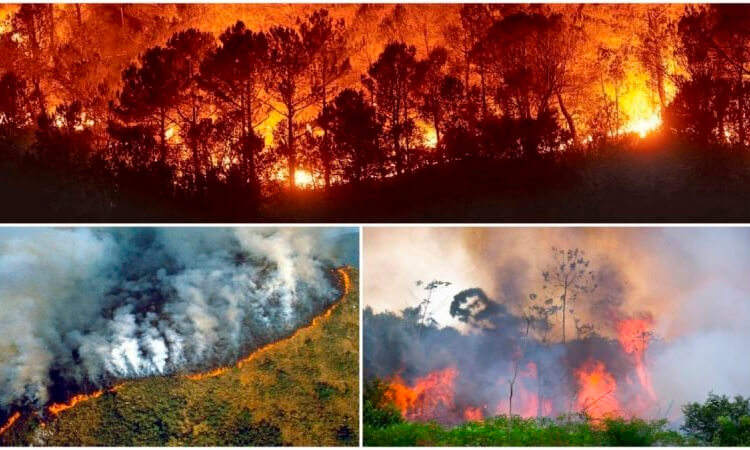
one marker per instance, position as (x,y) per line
(302,391)
(486,112)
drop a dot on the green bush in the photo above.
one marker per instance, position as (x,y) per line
(719,421)
(377,411)
(501,431)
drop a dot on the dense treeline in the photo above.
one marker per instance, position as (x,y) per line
(214,125)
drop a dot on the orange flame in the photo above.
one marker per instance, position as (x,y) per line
(57,408)
(16,415)
(346,285)
(597,390)
(634,337)
(473,414)
(525,401)
(428,393)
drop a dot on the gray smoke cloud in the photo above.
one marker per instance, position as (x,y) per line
(84,307)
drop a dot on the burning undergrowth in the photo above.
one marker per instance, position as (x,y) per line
(628,322)
(445,375)
(82,309)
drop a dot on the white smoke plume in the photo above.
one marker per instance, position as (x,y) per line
(85,307)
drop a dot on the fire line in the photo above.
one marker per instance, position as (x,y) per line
(16,415)
(56,408)
(345,281)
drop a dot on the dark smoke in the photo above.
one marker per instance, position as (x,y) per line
(82,308)
(485,357)
(691,281)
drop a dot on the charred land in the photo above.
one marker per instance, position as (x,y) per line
(484,112)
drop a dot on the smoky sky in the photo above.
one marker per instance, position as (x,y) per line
(693,281)
(85,307)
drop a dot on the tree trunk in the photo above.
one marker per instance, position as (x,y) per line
(484,93)
(292,155)
(568,117)
(660,88)
(325,148)
(162,126)
(565,307)
(741,118)
(52,27)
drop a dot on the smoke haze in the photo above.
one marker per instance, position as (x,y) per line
(81,308)
(691,283)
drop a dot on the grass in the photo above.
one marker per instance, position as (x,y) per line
(499,431)
(304,391)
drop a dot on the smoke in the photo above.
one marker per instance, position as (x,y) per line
(81,308)
(689,284)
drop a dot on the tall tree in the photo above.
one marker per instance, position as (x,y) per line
(565,280)
(151,92)
(326,43)
(355,130)
(34,26)
(432,105)
(289,85)
(394,79)
(235,73)
(190,47)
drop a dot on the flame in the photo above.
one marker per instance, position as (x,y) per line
(16,415)
(525,401)
(345,284)
(473,414)
(57,408)
(422,400)
(596,390)
(430,138)
(303,178)
(634,336)
(643,126)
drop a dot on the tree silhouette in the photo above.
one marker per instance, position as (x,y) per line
(34,24)
(567,278)
(190,48)
(151,92)
(235,74)
(289,85)
(431,102)
(355,130)
(325,40)
(394,80)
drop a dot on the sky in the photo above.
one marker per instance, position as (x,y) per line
(694,277)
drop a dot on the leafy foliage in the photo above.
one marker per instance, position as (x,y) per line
(525,432)
(719,421)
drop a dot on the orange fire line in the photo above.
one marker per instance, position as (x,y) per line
(316,320)
(57,408)
(16,415)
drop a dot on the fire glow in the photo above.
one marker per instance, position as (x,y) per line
(596,393)
(57,408)
(16,415)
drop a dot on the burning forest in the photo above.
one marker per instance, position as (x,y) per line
(242,111)
(88,311)
(638,327)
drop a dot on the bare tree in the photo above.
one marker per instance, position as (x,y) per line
(567,278)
